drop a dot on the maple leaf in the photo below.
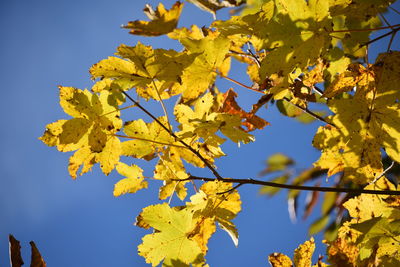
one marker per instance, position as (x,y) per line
(297,36)
(147,138)
(161,22)
(214,203)
(372,232)
(172,241)
(356,75)
(342,253)
(133,182)
(378,232)
(302,257)
(295,33)
(364,124)
(152,71)
(90,131)
(204,123)
(279,260)
(251,121)
(213,5)
(210,56)
(170,169)
(356,15)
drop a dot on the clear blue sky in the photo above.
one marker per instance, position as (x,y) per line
(79,223)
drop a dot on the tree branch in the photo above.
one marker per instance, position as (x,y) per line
(295,187)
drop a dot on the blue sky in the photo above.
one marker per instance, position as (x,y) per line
(79,223)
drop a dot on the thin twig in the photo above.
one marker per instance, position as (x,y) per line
(212,169)
(395,10)
(239,83)
(365,30)
(245,55)
(318,90)
(386,21)
(116,110)
(383,173)
(309,112)
(296,187)
(394,31)
(254,57)
(230,190)
(391,41)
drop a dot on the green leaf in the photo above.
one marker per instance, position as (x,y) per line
(269,190)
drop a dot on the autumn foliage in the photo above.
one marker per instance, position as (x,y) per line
(298,54)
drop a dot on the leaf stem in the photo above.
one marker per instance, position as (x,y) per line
(116,110)
(297,187)
(162,104)
(239,83)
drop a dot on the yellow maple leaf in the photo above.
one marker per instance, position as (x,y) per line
(210,52)
(356,15)
(134,181)
(170,169)
(302,256)
(292,39)
(356,75)
(215,202)
(365,123)
(161,22)
(147,138)
(370,236)
(153,71)
(342,253)
(90,131)
(171,243)
(279,260)
(204,123)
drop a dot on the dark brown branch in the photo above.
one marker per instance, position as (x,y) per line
(296,187)
(212,169)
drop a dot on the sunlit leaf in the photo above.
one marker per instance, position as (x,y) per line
(161,22)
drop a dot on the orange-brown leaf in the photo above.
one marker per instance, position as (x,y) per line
(36,258)
(251,121)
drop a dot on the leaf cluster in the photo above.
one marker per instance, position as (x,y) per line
(292,49)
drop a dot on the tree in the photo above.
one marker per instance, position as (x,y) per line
(292,49)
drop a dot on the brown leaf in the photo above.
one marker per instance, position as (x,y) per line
(311,201)
(36,258)
(15,252)
(251,121)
